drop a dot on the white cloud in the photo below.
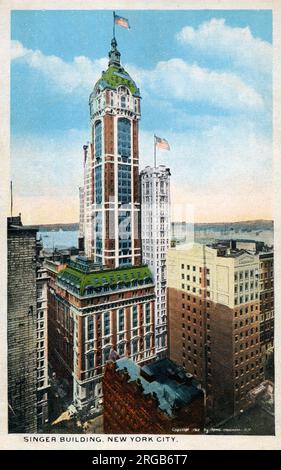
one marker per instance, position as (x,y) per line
(176,79)
(229,155)
(45,165)
(68,77)
(172,79)
(223,171)
(233,44)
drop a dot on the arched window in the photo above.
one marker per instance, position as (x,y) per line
(98,139)
(134,347)
(106,324)
(124,137)
(121,349)
(106,353)
(123,101)
(147,342)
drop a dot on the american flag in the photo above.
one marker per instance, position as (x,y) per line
(162,143)
(121,21)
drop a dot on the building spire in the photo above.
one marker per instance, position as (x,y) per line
(114,54)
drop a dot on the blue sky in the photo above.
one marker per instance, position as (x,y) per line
(207,74)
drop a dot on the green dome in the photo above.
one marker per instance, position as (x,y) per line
(114,77)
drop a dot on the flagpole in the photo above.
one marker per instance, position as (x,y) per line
(11,186)
(154,152)
(114,24)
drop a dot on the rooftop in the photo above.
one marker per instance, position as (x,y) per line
(103,280)
(165,380)
(114,77)
(15,225)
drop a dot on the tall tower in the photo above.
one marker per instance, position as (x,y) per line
(114,187)
(155,231)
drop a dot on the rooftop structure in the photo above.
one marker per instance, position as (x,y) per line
(169,383)
(96,281)
(159,397)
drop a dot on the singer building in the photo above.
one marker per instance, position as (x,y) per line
(102,303)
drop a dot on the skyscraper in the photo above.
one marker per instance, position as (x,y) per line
(155,235)
(111,164)
(103,303)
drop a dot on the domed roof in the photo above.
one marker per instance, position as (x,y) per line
(115,75)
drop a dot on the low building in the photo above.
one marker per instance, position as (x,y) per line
(92,312)
(158,398)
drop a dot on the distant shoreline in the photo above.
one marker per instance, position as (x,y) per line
(247,224)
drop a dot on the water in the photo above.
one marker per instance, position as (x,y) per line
(67,239)
(59,239)
(265,236)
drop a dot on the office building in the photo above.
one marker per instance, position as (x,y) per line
(111,174)
(21,328)
(155,236)
(92,314)
(214,322)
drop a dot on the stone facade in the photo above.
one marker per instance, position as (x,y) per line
(42,346)
(22,307)
(155,236)
(214,323)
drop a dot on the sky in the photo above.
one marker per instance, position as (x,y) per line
(205,82)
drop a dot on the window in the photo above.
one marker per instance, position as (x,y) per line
(90,327)
(124,224)
(98,230)
(90,360)
(121,319)
(124,184)
(98,139)
(106,324)
(147,313)
(147,342)
(121,349)
(98,185)
(106,352)
(135,316)
(134,346)
(124,137)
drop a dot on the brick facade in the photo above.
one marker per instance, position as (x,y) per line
(127,410)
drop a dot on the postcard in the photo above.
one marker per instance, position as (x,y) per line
(141,174)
